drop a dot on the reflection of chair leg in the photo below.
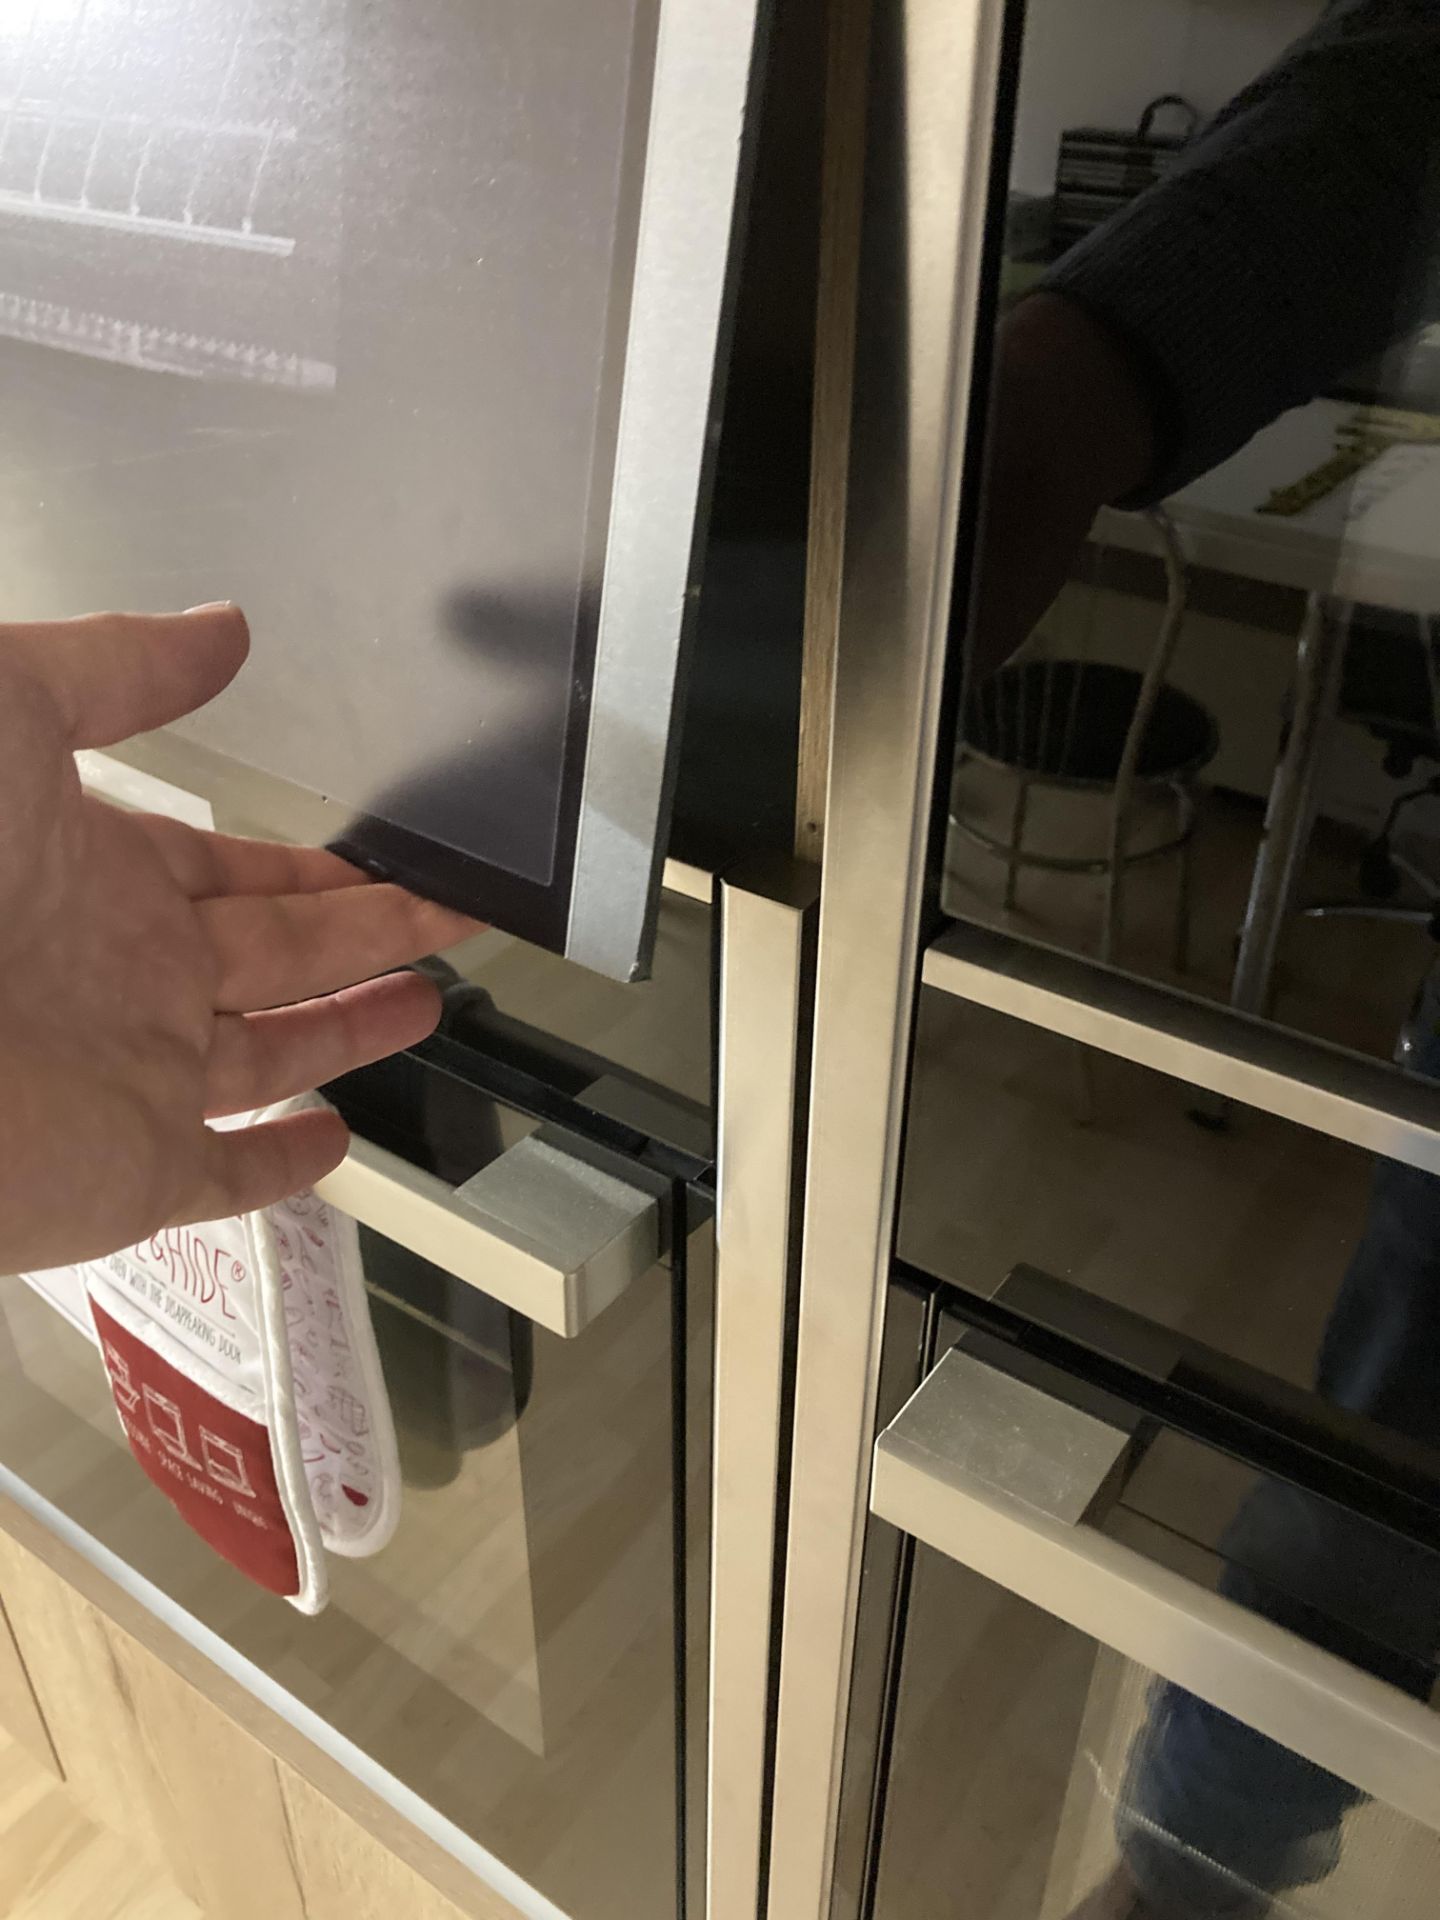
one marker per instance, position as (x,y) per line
(1183,895)
(1017,843)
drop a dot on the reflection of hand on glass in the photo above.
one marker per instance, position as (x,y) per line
(149,973)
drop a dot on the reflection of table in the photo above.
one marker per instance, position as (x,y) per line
(1374,541)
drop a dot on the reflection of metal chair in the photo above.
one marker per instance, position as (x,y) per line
(1390,684)
(1093,727)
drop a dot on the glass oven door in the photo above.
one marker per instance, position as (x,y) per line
(1134,1670)
(522,1668)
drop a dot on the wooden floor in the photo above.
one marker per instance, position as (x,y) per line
(55,1865)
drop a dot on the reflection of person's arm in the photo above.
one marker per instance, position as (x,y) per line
(1288,245)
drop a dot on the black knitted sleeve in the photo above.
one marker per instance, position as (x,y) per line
(1297,237)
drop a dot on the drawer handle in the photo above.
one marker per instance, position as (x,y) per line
(548,1234)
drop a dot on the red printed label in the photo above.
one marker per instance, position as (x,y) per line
(213,1463)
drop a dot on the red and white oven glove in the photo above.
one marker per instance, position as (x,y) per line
(244,1369)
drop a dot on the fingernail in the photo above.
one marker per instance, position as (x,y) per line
(213,606)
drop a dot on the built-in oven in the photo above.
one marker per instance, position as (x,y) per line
(409,330)
(1088,1704)
(1110,1579)
(1034,1514)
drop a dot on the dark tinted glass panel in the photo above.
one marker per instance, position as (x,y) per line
(1020,1772)
(1209,565)
(1302,1256)
(1038,1777)
(1027,1774)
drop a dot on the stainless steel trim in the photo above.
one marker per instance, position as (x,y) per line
(551,1236)
(1343,1719)
(693,882)
(911,1325)
(1367,1102)
(766,952)
(930,123)
(698,122)
(989,1422)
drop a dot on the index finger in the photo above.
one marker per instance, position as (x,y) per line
(111,675)
(272,951)
(204,864)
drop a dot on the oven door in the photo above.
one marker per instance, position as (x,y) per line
(511,1669)
(1131,1663)
(397,326)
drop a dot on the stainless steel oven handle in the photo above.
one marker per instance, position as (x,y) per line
(548,1234)
(1367,1102)
(1000,1476)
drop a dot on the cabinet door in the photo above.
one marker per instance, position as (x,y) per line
(20,1714)
(398,326)
(181,1784)
(147,1756)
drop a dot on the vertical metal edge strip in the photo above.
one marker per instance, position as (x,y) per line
(692,883)
(766,953)
(933,68)
(698,121)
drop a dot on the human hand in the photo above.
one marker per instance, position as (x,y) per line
(151,974)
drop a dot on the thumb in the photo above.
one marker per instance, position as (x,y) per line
(111,675)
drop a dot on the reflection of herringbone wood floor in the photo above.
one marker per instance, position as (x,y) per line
(54,1865)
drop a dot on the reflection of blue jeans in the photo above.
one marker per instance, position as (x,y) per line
(1213,1811)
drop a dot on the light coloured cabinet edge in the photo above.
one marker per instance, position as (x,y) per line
(127,1708)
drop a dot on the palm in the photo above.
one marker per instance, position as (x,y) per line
(151,975)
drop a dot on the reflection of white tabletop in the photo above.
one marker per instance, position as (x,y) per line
(1374,540)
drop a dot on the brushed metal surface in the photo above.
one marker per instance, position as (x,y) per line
(766,972)
(972,1422)
(930,119)
(554,1238)
(668,429)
